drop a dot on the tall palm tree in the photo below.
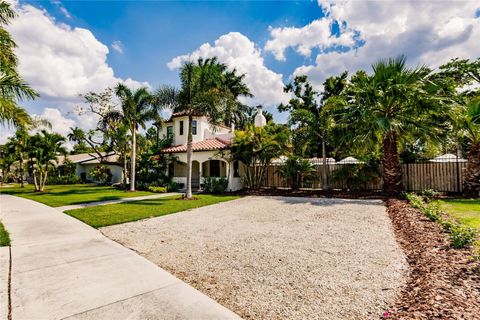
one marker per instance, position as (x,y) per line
(136,110)
(470,123)
(207,88)
(12,87)
(387,107)
(44,147)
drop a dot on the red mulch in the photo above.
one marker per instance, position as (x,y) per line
(444,283)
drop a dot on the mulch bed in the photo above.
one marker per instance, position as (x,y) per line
(444,283)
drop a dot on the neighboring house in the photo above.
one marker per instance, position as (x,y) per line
(211,151)
(85,162)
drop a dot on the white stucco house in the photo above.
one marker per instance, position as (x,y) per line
(211,150)
(85,162)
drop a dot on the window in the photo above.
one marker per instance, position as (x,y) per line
(171,170)
(236,170)
(181,128)
(169,132)
(214,168)
(194,127)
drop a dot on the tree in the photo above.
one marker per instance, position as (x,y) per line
(12,87)
(469,121)
(310,117)
(297,171)
(136,110)
(44,147)
(256,147)
(208,89)
(388,107)
(18,146)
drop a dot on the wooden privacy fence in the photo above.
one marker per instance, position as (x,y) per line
(439,176)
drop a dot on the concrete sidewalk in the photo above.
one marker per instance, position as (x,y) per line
(102,203)
(62,268)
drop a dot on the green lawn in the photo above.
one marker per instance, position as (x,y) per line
(62,195)
(465,210)
(107,215)
(4,237)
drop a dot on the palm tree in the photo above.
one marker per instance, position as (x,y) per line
(12,87)
(208,89)
(18,146)
(136,110)
(44,147)
(387,108)
(470,123)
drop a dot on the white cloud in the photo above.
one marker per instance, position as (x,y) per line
(117,46)
(317,34)
(237,51)
(61,62)
(428,32)
(62,8)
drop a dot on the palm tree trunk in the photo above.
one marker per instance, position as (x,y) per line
(324,169)
(392,174)
(22,185)
(189,158)
(35,179)
(44,181)
(132,160)
(471,184)
(125,169)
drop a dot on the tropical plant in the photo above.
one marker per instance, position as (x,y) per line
(18,146)
(101,174)
(209,89)
(297,171)
(256,147)
(470,123)
(12,87)
(311,118)
(388,107)
(136,110)
(44,148)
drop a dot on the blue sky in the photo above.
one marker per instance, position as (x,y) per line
(67,48)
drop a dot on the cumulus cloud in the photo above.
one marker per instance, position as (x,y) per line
(117,46)
(237,51)
(428,32)
(317,34)
(60,62)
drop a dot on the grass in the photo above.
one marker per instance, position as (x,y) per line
(101,216)
(4,236)
(466,211)
(62,195)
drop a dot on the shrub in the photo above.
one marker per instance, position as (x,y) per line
(157,189)
(172,186)
(462,236)
(428,194)
(297,171)
(101,174)
(215,185)
(70,179)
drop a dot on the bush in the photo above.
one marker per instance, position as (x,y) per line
(462,236)
(157,189)
(70,179)
(172,186)
(101,174)
(215,185)
(297,171)
(428,194)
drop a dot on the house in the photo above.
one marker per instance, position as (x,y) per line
(85,162)
(448,157)
(211,150)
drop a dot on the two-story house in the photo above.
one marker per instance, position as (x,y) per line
(211,150)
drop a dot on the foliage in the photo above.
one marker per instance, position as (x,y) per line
(101,216)
(63,179)
(101,174)
(62,195)
(13,88)
(393,105)
(215,185)
(460,235)
(157,189)
(172,186)
(44,147)
(297,171)
(357,176)
(256,147)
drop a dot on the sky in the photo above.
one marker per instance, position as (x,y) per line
(68,48)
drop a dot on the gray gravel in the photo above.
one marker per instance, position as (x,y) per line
(279,257)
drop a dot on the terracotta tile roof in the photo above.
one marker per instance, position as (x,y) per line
(205,145)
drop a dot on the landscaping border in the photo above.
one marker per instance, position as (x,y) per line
(444,282)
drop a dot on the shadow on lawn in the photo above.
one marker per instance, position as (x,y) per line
(326,202)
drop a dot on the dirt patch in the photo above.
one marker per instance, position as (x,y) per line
(444,283)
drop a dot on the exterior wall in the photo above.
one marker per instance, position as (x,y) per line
(204,130)
(117,172)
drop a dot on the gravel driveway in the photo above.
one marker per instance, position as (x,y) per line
(279,257)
